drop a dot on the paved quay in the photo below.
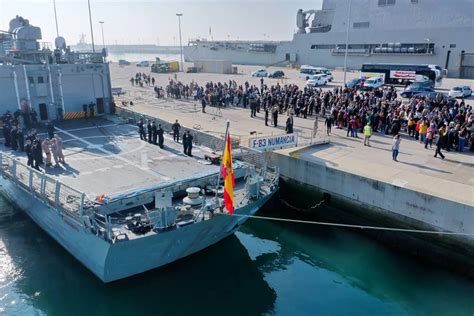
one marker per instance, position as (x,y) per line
(451,179)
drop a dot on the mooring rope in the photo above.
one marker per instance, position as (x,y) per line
(406,230)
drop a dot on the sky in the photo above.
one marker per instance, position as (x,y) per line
(155,21)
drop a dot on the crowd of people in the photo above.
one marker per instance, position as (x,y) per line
(141,79)
(39,151)
(446,123)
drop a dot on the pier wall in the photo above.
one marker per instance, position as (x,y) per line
(415,209)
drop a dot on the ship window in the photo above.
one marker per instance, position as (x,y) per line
(452,45)
(31,80)
(360,25)
(329,46)
(40,79)
(414,1)
(386,2)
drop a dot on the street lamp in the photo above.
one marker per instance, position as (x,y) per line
(56,18)
(179,15)
(347,40)
(102,28)
(90,22)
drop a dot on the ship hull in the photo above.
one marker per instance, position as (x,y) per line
(111,262)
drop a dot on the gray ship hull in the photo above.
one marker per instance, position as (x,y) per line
(114,261)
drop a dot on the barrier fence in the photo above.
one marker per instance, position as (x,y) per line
(65,199)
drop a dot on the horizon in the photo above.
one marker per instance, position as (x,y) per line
(155,23)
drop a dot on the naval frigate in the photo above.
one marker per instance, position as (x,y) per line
(376,31)
(121,206)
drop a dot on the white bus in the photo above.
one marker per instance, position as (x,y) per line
(403,73)
(306,72)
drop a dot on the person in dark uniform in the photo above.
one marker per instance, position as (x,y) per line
(161,138)
(84,109)
(176,127)
(21,139)
(34,117)
(51,129)
(150,132)
(289,124)
(185,143)
(91,109)
(14,138)
(203,104)
(442,141)
(29,153)
(37,154)
(328,122)
(275,116)
(154,131)
(266,115)
(253,107)
(141,130)
(189,140)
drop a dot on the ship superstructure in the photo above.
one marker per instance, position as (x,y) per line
(379,31)
(53,81)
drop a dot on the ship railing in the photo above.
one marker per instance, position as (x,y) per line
(64,199)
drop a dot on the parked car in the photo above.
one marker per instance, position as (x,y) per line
(357,83)
(143,63)
(123,62)
(316,80)
(329,75)
(277,74)
(436,96)
(260,73)
(460,92)
(433,95)
(422,83)
(373,83)
(415,90)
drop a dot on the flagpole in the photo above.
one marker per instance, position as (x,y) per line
(220,165)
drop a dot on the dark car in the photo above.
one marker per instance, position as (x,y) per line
(355,83)
(414,90)
(277,74)
(433,95)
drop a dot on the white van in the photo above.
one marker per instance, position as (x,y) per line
(373,83)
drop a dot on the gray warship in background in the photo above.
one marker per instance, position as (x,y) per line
(377,31)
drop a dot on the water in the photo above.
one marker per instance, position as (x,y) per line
(267,268)
(136,57)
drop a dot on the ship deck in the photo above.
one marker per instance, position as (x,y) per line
(106,157)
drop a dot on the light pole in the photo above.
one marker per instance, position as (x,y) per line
(179,15)
(90,22)
(56,18)
(102,28)
(347,40)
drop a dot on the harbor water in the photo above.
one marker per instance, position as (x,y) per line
(267,268)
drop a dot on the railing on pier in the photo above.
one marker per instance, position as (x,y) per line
(67,201)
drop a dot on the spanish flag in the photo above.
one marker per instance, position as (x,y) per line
(228,175)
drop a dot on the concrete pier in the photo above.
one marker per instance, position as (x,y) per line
(419,191)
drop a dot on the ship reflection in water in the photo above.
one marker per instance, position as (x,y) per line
(267,268)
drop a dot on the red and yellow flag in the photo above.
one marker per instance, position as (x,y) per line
(228,175)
